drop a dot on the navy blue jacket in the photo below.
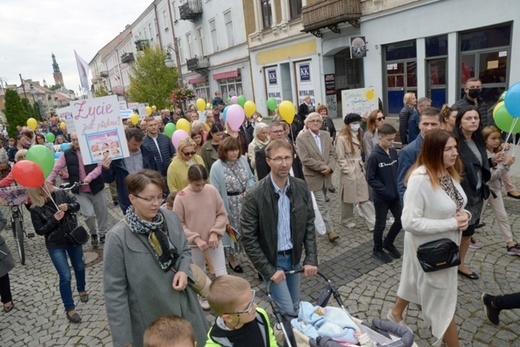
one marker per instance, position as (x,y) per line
(382,174)
(413,127)
(167,152)
(118,172)
(407,157)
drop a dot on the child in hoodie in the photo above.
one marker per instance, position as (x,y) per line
(382,179)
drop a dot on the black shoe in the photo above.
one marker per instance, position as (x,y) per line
(378,253)
(83,297)
(513,196)
(94,241)
(332,190)
(115,201)
(478,226)
(238,269)
(392,250)
(102,239)
(260,277)
(492,313)
(30,235)
(471,276)
(75,318)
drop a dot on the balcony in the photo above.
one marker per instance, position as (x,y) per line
(103,74)
(191,10)
(141,44)
(330,13)
(198,63)
(127,58)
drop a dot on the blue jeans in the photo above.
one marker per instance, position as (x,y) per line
(59,259)
(287,293)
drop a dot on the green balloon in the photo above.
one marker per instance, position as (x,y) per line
(502,96)
(50,137)
(43,157)
(504,121)
(228,101)
(241,100)
(272,104)
(169,129)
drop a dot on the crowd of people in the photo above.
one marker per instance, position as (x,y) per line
(196,210)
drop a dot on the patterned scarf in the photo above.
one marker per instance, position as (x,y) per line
(165,253)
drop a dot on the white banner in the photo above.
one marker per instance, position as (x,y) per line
(361,101)
(65,113)
(304,86)
(273,83)
(100,129)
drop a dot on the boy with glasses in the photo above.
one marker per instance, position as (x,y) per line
(240,321)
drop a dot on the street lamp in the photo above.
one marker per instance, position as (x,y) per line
(25,94)
(168,61)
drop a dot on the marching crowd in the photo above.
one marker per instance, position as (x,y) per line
(221,193)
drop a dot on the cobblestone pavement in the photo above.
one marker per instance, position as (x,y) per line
(367,287)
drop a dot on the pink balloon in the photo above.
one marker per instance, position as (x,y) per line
(234,99)
(235,117)
(179,135)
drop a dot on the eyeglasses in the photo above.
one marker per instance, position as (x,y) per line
(249,308)
(279,160)
(316,121)
(277,131)
(380,118)
(150,199)
(189,153)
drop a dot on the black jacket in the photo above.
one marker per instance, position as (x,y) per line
(470,173)
(382,174)
(263,169)
(481,107)
(45,224)
(259,221)
(72,162)
(167,152)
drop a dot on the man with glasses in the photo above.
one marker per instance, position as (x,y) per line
(90,196)
(276,132)
(277,225)
(318,159)
(473,98)
(160,145)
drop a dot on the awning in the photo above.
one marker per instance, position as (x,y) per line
(200,79)
(227,74)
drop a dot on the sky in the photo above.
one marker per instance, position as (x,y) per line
(31,30)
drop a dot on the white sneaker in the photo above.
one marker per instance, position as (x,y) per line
(350,225)
(204,303)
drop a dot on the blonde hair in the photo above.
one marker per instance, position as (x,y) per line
(168,330)
(187,142)
(20,153)
(223,292)
(36,198)
(408,97)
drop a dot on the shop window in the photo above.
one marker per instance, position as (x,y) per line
(485,38)
(437,46)
(230,87)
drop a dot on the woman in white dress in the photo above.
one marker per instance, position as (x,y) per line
(433,209)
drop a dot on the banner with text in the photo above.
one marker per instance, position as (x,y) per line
(65,113)
(305,86)
(272,81)
(361,101)
(100,129)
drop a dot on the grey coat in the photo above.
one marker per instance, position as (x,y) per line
(6,259)
(136,289)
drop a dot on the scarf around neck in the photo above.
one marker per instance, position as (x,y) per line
(163,250)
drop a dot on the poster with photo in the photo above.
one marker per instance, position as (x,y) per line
(100,129)
(65,113)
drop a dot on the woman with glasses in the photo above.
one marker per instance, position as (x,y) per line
(147,265)
(232,176)
(209,149)
(186,156)
(376,118)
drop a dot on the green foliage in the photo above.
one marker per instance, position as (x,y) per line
(37,112)
(15,113)
(151,80)
(55,87)
(101,91)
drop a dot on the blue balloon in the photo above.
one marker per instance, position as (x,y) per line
(512,100)
(57,155)
(224,113)
(65,146)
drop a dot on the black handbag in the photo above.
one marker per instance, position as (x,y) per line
(77,235)
(438,255)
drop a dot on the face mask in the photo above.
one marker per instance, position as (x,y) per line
(354,127)
(474,93)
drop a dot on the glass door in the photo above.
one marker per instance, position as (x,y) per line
(436,81)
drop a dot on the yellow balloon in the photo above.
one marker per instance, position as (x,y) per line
(201,104)
(154,108)
(183,124)
(249,108)
(148,110)
(32,123)
(134,118)
(287,111)
(370,94)
(63,125)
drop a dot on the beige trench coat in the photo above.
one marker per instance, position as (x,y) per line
(353,184)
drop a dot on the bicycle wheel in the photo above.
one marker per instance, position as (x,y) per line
(19,236)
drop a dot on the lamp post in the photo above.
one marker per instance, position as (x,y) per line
(168,61)
(25,94)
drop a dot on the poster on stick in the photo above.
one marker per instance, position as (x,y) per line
(65,113)
(361,101)
(100,129)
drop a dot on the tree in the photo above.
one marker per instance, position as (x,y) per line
(37,112)
(15,113)
(151,80)
(101,91)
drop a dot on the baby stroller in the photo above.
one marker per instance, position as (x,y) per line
(381,333)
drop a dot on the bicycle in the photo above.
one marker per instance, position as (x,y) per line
(14,197)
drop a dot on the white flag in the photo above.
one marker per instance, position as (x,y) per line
(83,70)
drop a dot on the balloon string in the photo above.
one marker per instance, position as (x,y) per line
(50,196)
(511,129)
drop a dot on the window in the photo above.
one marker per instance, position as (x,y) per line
(165,20)
(230,87)
(437,46)
(201,90)
(150,30)
(201,41)
(189,52)
(485,38)
(267,15)
(181,50)
(213,32)
(295,8)
(174,10)
(229,29)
